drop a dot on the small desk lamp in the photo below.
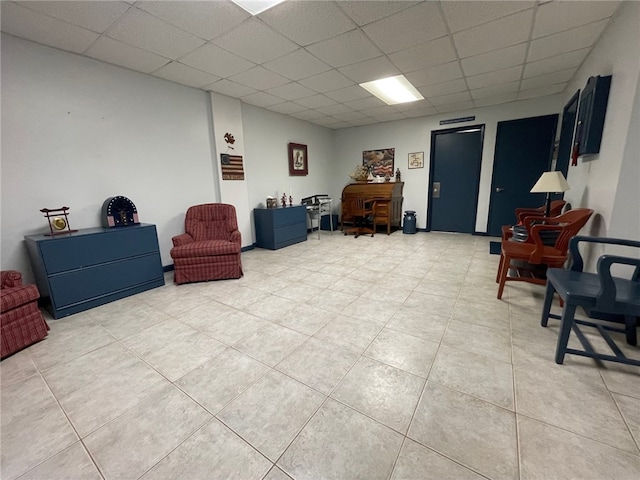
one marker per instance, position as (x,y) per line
(550,182)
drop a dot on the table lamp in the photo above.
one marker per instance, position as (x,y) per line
(550,182)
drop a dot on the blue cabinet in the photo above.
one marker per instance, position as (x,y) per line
(280,227)
(94,266)
(591,114)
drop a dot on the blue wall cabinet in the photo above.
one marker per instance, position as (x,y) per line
(280,227)
(591,114)
(94,266)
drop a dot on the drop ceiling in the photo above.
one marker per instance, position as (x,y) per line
(306,58)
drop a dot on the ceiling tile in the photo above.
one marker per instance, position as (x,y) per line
(212,59)
(445,88)
(376,112)
(456,107)
(461,15)
(366,12)
(308,115)
(437,74)
(562,76)
(542,91)
(229,88)
(261,99)
(391,117)
(497,100)
(495,90)
(95,16)
(118,53)
(567,41)
(364,121)
(425,55)
(327,81)
(139,29)
(326,121)
(308,22)
(179,73)
(291,91)
(349,116)
(412,106)
(554,17)
(484,38)
(316,101)
(287,108)
(349,94)
(351,47)
(498,59)
(297,65)
(369,70)
(422,112)
(37,27)
(205,19)
(334,109)
(365,103)
(553,64)
(255,41)
(498,76)
(449,99)
(259,78)
(415,25)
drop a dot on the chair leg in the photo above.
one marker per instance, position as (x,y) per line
(503,274)
(546,307)
(568,313)
(630,329)
(499,267)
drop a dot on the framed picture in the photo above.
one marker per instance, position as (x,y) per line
(379,162)
(416,160)
(298,160)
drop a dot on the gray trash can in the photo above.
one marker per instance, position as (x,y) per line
(409,222)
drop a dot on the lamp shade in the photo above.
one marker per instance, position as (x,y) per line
(551,182)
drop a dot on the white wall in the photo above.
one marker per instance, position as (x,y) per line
(599,181)
(76,131)
(414,135)
(266,138)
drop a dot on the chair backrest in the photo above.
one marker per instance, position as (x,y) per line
(357,206)
(554,210)
(211,221)
(573,221)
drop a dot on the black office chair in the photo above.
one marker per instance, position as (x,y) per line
(601,295)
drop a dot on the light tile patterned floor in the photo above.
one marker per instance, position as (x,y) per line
(340,358)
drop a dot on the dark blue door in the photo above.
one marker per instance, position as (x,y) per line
(524,149)
(456,155)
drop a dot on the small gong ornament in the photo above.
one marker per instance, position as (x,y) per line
(57,224)
(119,212)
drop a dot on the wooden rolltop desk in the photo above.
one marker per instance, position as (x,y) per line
(388,198)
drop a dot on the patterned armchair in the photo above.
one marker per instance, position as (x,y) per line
(210,247)
(21,322)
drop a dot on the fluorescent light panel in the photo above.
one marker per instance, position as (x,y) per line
(393,90)
(254,7)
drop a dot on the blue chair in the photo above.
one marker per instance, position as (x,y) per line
(601,295)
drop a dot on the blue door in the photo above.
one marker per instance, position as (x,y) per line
(456,156)
(524,149)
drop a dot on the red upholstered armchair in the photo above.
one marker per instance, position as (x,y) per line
(21,322)
(210,247)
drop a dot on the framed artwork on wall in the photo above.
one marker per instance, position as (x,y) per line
(379,162)
(298,160)
(416,160)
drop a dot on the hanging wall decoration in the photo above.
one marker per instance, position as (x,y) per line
(232,168)
(379,162)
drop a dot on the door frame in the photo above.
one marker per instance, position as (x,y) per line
(432,160)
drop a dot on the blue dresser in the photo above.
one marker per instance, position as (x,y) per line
(280,227)
(81,270)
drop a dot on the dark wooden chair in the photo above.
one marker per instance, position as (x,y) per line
(602,296)
(535,252)
(363,211)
